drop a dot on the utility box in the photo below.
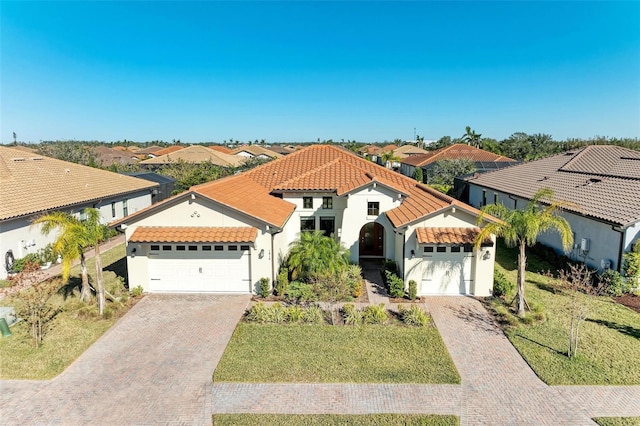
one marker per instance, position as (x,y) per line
(9,314)
(584,245)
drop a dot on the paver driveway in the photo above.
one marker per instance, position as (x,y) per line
(153,366)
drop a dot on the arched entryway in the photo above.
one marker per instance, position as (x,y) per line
(372,240)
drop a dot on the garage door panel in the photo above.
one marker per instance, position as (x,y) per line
(447,274)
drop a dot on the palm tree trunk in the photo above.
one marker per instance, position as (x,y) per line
(99,280)
(85,292)
(522,262)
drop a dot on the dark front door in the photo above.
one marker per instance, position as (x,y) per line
(372,240)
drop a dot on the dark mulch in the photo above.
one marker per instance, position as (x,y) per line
(629,300)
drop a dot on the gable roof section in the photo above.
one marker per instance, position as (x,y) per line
(194,234)
(34,183)
(256,151)
(167,150)
(602,181)
(220,148)
(409,150)
(454,152)
(196,154)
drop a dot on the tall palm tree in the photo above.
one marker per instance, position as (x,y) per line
(75,236)
(314,253)
(471,137)
(522,227)
(388,158)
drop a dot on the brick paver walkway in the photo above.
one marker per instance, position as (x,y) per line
(154,366)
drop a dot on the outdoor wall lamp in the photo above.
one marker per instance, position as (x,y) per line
(487,255)
(261,254)
(413,254)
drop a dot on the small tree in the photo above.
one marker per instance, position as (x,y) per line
(417,174)
(578,283)
(631,266)
(36,310)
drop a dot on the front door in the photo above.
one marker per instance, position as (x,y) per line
(372,240)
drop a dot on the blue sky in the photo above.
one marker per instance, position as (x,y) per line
(299,71)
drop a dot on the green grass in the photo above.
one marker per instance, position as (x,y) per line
(335,354)
(618,421)
(75,329)
(609,346)
(333,419)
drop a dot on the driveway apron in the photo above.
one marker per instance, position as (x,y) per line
(154,366)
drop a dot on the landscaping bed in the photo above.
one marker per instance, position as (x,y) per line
(268,353)
(334,419)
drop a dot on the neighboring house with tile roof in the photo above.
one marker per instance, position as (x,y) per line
(106,156)
(224,235)
(255,151)
(220,148)
(602,183)
(196,154)
(484,160)
(167,150)
(33,185)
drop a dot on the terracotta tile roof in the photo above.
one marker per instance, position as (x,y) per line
(601,181)
(388,148)
(409,150)
(448,235)
(196,154)
(256,150)
(147,150)
(168,150)
(220,148)
(106,156)
(453,152)
(193,234)
(34,183)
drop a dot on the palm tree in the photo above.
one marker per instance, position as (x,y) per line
(75,236)
(388,158)
(522,227)
(313,254)
(471,137)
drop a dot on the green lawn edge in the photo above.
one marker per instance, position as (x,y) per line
(287,353)
(617,421)
(333,419)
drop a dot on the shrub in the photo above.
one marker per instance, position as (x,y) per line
(352,316)
(332,287)
(136,291)
(501,285)
(414,316)
(267,314)
(264,288)
(356,282)
(31,258)
(613,284)
(390,265)
(395,284)
(301,292)
(631,266)
(283,282)
(294,313)
(375,314)
(313,315)
(413,290)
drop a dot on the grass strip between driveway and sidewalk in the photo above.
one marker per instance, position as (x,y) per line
(617,421)
(609,347)
(333,419)
(269,353)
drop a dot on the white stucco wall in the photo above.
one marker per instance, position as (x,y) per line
(482,263)
(197,212)
(604,239)
(21,238)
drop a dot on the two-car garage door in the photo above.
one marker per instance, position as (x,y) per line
(199,269)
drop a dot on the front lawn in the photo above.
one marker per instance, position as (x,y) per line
(75,329)
(335,354)
(334,419)
(609,346)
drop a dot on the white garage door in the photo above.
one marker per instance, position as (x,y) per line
(447,271)
(199,271)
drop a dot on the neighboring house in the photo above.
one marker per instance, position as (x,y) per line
(255,151)
(406,151)
(196,154)
(106,156)
(220,148)
(33,185)
(484,160)
(601,182)
(167,150)
(279,149)
(143,153)
(224,235)
(166,184)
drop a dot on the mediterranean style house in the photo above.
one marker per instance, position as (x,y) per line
(33,185)
(600,183)
(223,236)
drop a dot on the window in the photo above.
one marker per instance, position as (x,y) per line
(233,248)
(166,248)
(218,248)
(495,198)
(428,249)
(441,249)
(468,248)
(455,249)
(307,202)
(113,209)
(206,248)
(327,225)
(125,208)
(193,248)
(155,248)
(181,248)
(307,223)
(484,197)
(327,202)
(244,248)
(373,208)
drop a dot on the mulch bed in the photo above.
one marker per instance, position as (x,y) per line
(629,300)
